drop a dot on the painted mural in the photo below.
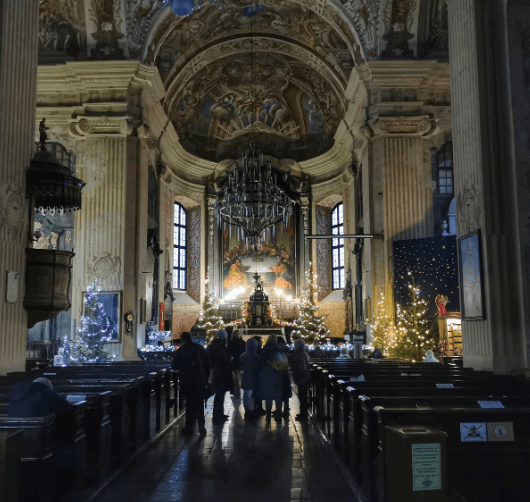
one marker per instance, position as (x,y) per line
(295,116)
(273,259)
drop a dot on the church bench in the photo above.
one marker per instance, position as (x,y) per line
(31,449)
(366,423)
(158,379)
(470,464)
(330,388)
(141,399)
(125,410)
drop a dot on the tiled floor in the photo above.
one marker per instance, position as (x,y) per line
(238,461)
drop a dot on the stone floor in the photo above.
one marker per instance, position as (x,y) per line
(255,461)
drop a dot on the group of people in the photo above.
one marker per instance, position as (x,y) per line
(262,374)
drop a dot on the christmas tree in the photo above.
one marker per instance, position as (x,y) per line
(96,330)
(413,326)
(310,327)
(209,318)
(384,333)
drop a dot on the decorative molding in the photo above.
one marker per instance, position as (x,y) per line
(304,202)
(399,126)
(104,267)
(102,127)
(211,217)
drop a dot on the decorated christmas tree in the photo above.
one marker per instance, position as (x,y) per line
(384,333)
(413,325)
(310,327)
(96,330)
(209,318)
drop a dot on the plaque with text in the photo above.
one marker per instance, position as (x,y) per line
(426,467)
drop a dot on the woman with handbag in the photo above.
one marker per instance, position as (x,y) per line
(301,377)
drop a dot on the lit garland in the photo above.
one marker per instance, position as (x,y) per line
(89,346)
(209,318)
(310,328)
(413,325)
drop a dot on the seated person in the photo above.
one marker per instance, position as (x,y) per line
(37,399)
(344,354)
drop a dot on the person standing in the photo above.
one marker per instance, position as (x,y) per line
(258,403)
(249,366)
(287,391)
(191,362)
(301,377)
(221,374)
(236,347)
(269,381)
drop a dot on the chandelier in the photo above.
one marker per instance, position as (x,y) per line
(254,195)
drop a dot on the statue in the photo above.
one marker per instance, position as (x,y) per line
(42,133)
(441,302)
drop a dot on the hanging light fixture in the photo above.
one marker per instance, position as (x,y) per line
(253,197)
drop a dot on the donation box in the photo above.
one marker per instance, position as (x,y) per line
(415,464)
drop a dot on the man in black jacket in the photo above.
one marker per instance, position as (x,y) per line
(191,362)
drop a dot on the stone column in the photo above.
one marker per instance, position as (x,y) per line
(490,78)
(18,91)
(400,188)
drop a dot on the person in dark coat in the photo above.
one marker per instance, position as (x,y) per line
(37,399)
(301,376)
(269,381)
(221,377)
(236,347)
(287,391)
(249,367)
(191,361)
(258,403)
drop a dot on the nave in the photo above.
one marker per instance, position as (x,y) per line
(243,461)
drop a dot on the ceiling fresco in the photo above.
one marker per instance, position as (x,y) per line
(292,111)
(285,85)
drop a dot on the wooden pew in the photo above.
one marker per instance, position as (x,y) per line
(470,464)
(34,480)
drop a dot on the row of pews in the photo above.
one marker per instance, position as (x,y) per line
(487,447)
(122,407)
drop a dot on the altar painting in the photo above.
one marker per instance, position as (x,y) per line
(273,259)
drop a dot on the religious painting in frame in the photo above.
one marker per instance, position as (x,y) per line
(470,265)
(111,302)
(273,257)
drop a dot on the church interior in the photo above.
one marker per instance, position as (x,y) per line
(173,166)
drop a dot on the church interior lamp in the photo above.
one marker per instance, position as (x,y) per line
(254,195)
(51,187)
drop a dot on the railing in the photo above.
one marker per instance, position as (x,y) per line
(42,349)
(285,310)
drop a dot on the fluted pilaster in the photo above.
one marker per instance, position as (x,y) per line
(18,82)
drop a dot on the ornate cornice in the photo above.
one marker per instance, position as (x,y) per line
(402,126)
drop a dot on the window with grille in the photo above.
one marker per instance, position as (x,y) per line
(180,244)
(337,247)
(444,163)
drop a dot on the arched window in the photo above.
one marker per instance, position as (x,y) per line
(180,246)
(337,246)
(444,164)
